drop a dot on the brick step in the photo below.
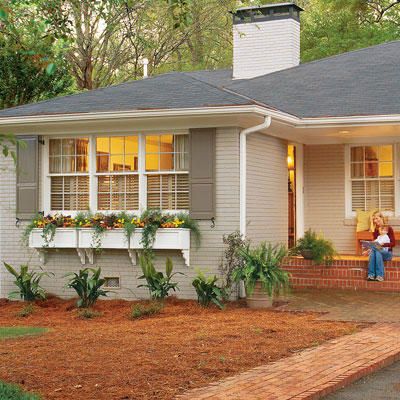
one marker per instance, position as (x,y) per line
(350,274)
(354,284)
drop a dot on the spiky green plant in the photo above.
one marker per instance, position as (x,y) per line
(263,264)
(87,284)
(28,283)
(207,290)
(158,284)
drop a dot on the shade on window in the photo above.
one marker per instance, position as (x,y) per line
(118,192)
(69,193)
(168,192)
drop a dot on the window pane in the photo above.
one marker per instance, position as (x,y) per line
(131,145)
(117,145)
(55,165)
(131,163)
(102,163)
(69,193)
(386,153)
(82,146)
(82,164)
(357,170)
(166,162)
(152,162)
(152,144)
(386,169)
(103,145)
(358,195)
(117,163)
(103,184)
(118,184)
(55,147)
(182,162)
(357,154)
(371,153)
(371,170)
(103,201)
(68,147)
(167,143)
(68,164)
(118,201)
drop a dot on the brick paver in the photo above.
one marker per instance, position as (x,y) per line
(313,373)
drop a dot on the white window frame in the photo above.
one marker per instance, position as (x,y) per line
(396,176)
(93,174)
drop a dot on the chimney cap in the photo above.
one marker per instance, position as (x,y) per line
(266,12)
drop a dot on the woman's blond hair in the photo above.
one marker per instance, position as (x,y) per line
(381,216)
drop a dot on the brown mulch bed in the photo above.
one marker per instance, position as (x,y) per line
(113,357)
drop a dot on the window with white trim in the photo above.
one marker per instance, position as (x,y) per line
(117,172)
(69,174)
(167,172)
(117,159)
(372,178)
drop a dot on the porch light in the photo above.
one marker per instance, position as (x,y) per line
(290,162)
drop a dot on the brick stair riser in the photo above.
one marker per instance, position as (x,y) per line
(303,283)
(390,275)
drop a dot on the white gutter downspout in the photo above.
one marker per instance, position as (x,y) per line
(243,168)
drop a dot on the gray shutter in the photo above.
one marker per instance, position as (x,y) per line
(27,177)
(202,173)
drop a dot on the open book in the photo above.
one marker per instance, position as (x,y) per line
(371,245)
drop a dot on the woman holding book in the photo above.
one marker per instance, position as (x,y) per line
(382,251)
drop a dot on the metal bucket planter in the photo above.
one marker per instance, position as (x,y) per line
(307,254)
(259,298)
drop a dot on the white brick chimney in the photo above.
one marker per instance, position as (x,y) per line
(265,39)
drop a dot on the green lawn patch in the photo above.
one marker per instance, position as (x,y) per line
(16,331)
(13,392)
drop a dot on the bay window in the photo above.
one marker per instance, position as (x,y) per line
(371,171)
(117,172)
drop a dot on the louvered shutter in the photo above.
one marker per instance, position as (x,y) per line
(202,173)
(27,177)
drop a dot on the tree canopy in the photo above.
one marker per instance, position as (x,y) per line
(53,47)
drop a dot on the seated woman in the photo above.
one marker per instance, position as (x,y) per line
(376,268)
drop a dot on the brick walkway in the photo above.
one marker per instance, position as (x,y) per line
(313,373)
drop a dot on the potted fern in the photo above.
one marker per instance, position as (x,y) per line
(262,274)
(315,247)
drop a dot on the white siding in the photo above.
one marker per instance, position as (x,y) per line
(324,195)
(267,197)
(117,263)
(263,47)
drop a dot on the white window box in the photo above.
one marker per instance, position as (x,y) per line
(110,239)
(64,238)
(82,241)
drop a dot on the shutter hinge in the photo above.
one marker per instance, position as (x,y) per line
(213,222)
(41,141)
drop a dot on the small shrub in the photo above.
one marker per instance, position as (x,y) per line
(87,313)
(321,249)
(207,290)
(88,287)
(28,283)
(145,310)
(231,260)
(26,311)
(158,284)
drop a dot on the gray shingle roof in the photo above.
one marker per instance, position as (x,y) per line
(361,82)
(172,90)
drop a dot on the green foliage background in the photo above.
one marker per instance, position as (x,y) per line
(54,47)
